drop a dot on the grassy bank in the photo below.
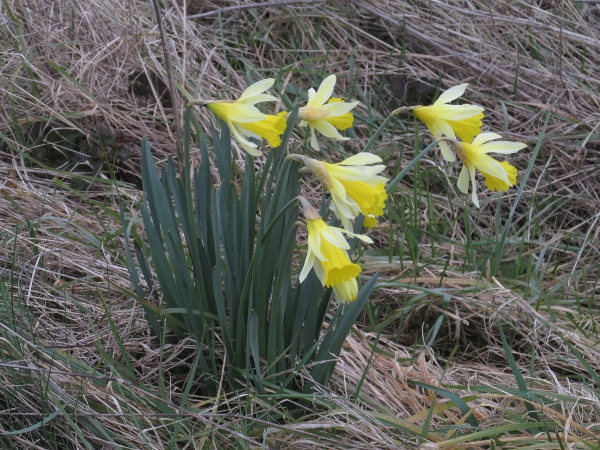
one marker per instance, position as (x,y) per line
(482,330)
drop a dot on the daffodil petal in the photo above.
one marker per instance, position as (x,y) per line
(314,243)
(256,88)
(489,165)
(246,144)
(502,147)
(309,263)
(346,219)
(313,138)
(323,93)
(451,94)
(258,98)
(363,237)
(370,222)
(336,238)
(446,151)
(361,159)
(484,137)
(456,112)
(467,129)
(339,108)
(326,129)
(346,207)
(367,173)
(463,180)
(442,128)
(320,272)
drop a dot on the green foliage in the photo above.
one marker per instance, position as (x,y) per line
(216,271)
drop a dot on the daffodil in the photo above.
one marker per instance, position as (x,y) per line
(499,176)
(327,255)
(325,114)
(463,121)
(354,185)
(245,120)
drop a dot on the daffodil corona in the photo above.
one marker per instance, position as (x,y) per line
(325,114)
(245,120)
(354,185)
(327,255)
(463,121)
(499,176)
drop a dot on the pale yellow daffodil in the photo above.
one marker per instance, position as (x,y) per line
(325,114)
(327,255)
(245,120)
(442,119)
(354,185)
(499,176)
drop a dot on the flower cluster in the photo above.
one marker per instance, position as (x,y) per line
(464,121)
(355,188)
(322,113)
(356,185)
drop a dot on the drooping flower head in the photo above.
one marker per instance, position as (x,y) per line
(442,119)
(354,185)
(327,255)
(499,176)
(245,120)
(325,114)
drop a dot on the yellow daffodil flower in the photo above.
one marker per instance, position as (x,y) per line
(463,121)
(327,255)
(245,120)
(354,185)
(327,117)
(499,176)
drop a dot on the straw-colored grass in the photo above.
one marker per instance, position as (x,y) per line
(81,82)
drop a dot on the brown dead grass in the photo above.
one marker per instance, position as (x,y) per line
(523,60)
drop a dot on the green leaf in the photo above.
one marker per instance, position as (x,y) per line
(337,332)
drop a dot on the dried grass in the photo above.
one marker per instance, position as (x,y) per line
(522,60)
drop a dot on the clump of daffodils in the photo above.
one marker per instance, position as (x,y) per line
(246,121)
(355,187)
(355,184)
(327,255)
(448,122)
(325,114)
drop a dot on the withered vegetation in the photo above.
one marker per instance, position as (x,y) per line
(81,82)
